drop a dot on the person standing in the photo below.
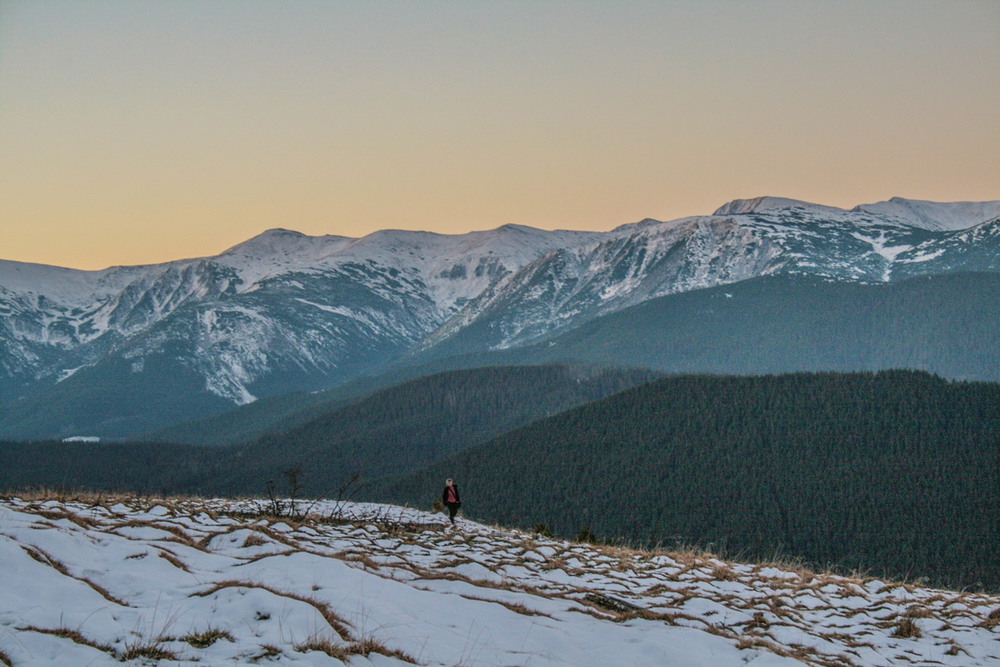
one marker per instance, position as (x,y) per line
(451,499)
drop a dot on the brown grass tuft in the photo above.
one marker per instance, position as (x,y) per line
(907,628)
(916,611)
(150,650)
(255,540)
(268,651)
(174,560)
(206,638)
(325,645)
(369,645)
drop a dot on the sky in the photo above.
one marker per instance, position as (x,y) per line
(141,132)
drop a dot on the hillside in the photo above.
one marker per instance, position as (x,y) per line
(893,472)
(99,581)
(540,389)
(391,431)
(948,325)
(414,424)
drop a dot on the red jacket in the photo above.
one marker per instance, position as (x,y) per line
(444,494)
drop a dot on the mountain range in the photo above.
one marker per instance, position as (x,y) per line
(120,352)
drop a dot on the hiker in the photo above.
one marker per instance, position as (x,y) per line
(451,499)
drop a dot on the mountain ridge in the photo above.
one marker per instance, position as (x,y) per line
(284,311)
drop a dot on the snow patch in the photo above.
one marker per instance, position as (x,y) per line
(162,574)
(936,216)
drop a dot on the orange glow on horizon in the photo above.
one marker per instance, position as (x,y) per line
(135,133)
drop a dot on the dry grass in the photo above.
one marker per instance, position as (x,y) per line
(363,647)
(324,645)
(74,635)
(268,651)
(174,560)
(724,573)
(179,534)
(338,624)
(993,620)
(955,649)
(363,559)
(907,628)
(369,645)
(206,638)
(64,514)
(149,650)
(917,611)
(44,558)
(61,495)
(516,607)
(255,540)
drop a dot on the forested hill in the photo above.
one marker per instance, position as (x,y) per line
(895,472)
(412,425)
(392,431)
(948,325)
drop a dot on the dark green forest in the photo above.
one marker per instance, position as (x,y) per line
(393,431)
(895,472)
(410,426)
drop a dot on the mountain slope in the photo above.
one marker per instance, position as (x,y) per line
(412,425)
(213,582)
(279,313)
(285,312)
(933,215)
(948,324)
(894,472)
(391,431)
(743,240)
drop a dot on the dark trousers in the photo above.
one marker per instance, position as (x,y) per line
(452,510)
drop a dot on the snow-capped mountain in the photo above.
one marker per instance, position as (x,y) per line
(280,312)
(285,311)
(742,239)
(933,215)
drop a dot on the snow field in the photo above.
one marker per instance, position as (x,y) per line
(216,582)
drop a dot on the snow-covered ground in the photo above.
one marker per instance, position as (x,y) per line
(213,582)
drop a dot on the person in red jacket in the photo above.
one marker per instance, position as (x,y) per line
(451,499)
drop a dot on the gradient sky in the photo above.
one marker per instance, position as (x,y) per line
(136,132)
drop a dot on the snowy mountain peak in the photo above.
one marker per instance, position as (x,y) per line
(935,216)
(759,204)
(281,242)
